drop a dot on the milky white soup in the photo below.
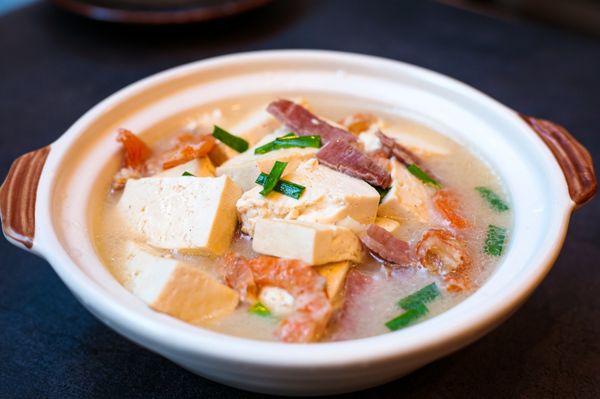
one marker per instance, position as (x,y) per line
(184,226)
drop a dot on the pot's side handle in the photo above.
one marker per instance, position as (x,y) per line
(574,160)
(18,194)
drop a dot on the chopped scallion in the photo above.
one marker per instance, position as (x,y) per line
(494,241)
(230,140)
(273,177)
(424,295)
(408,317)
(421,175)
(288,141)
(493,199)
(283,186)
(414,306)
(186,173)
(259,309)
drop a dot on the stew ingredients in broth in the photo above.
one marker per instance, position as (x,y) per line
(284,224)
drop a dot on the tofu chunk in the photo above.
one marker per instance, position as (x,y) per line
(176,288)
(329,196)
(408,197)
(252,128)
(421,145)
(335,275)
(245,168)
(202,167)
(194,215)
(349,223)
(312,243)
(388,224)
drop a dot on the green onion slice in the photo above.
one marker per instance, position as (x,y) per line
(424,295)
(259,309)
(288,141)
(382,192)
(414,306)
(496,203)
(407,318)
(283,186)
(273,177)
(186,173)
(494,241)
(421,175)
(235,142)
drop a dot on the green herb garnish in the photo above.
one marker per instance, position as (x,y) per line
(273,177)
(270,146)
(382,192)
(288,141)
(283,186)
(235,142)
(414,306)
(421,175)
(186,173)
(424,295)
(494,241)
(493,199)
(259,309)
(408,317)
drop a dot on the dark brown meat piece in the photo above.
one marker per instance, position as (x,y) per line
(386,246)
(305,123)
(392,148)
(344,157)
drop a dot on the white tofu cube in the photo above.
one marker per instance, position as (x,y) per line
(421,145)
(195,215)
(252,128)
(408,197)
(329,196)
(388,224)
(202,167)
(352,224)
(245,168)
(176,288)
(335,277)
(312,243)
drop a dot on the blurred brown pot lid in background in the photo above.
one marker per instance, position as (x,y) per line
(158,11)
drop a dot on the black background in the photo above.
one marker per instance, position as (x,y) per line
(54,67)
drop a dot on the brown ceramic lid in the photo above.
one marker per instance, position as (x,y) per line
(158,12)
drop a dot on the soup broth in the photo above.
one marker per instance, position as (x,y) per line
(372,288)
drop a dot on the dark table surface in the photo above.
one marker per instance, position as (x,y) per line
(54,67)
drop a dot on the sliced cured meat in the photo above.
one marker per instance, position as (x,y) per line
(305,123)
(386,246)
(392,148)
(347,159)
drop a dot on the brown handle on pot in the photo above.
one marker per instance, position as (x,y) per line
(574,160)
(18,194)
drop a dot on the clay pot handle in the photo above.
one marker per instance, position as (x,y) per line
(18,194)
(574,160)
